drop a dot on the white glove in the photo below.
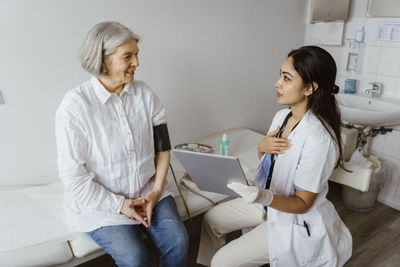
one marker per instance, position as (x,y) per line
(252,193)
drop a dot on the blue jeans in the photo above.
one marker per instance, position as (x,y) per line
(125,245)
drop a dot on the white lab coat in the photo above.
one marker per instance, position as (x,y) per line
(308,164)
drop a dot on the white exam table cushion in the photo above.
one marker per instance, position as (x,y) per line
(48,254)
(82,245)
(33,215)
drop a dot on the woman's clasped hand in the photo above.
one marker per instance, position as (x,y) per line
(273,145)
(141,209)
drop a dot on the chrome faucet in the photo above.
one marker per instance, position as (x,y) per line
(375,90)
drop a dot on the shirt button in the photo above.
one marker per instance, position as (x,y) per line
(129,133)
(131,150)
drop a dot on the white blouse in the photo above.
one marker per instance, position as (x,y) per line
(105,151)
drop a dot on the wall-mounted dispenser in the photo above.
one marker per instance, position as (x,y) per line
(359,35)
(355,55)
(383,8)
(330,10)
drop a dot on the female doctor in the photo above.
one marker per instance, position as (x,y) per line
(298,156)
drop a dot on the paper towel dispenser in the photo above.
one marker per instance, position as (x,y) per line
(329,10)
(383,8)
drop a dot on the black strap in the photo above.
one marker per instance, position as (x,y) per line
(271,168)
(161,138)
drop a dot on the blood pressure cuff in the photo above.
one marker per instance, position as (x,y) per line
(161,138)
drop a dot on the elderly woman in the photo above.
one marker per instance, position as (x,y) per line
(113,155)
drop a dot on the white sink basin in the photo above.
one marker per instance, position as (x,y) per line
(367,111)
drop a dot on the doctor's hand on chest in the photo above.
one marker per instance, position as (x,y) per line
(271,144)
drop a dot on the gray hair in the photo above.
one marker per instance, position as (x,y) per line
(101,41)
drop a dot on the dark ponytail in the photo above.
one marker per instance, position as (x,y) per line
(315,64)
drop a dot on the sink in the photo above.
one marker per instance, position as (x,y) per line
(367,111)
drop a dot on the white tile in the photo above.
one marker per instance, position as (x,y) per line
(371,59)
(377,145)
(376,153)
(388,84)
(388,192)
(383,193)
(361,57)
(371,31)
(390,19)
(389,61)
(341,72)
(391,169)
(396,174)
(390,44)
(396,92)
(343,61)
(392,145)
(340,77)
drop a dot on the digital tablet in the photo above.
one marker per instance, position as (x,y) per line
(212,172)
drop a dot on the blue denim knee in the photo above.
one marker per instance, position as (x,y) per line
(124,242)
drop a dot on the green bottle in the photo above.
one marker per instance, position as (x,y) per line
(224,145)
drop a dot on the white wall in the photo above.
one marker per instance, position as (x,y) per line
(380,63)
(213,64)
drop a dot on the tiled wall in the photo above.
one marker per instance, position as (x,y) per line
(387,148)
(380,62)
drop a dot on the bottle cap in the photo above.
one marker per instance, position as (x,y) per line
(224,140)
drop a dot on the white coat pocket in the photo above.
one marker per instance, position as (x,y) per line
(312,245)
